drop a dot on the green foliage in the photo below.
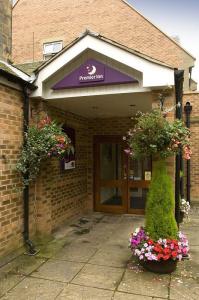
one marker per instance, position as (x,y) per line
(160,220)
(153,134)
(41,142)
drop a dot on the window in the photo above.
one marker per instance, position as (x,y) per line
(50,49)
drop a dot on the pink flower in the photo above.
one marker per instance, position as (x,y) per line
(127,151)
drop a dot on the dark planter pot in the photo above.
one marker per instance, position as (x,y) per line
(181,216)
(161,267)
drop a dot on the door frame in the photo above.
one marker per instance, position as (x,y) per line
(121,183)
(125,183)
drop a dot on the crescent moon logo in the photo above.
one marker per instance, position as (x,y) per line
(91,70)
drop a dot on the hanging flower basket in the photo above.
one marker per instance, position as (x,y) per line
(154,136)
(42,141)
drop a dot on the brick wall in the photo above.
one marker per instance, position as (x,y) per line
(11,206)
(59,195)
(56,195)
(113,19)
(5,29)
(193,98)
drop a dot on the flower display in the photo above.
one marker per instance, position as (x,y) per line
(61,145)
(43,141)
(147,249)
(153,134)
(185,206)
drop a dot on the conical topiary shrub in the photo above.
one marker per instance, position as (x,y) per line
(160,220)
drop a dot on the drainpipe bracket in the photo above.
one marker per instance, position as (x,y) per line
(31,251)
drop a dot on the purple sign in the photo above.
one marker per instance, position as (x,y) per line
(93,73)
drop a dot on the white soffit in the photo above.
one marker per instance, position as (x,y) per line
(154,74)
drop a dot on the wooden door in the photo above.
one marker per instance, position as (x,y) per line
(110,174)
(119,182)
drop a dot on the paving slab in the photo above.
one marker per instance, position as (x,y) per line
(77,292)
(8,281)
(125,296)
(99,276)
(76,253)
(35,289)
(48,250)
(192,236)
(90,263)
(184,289)
(23,264)
(63,271)
(93,240)
(116,219)
(145,283)
(113,256)
(189,267)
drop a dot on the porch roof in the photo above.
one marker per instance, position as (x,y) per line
(154,73)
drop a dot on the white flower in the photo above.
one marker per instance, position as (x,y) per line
(137,252)
(179,257)
(137,230)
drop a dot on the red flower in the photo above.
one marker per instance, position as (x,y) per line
(159,256)
(166,251)
(158,248)
(174,253)
(165,257)
(60,139)
(44,122)
(150,242)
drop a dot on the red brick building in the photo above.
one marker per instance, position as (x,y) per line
(94,64)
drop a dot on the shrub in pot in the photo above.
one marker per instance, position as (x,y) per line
(159,245)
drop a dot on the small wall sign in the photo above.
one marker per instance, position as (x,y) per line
(147,175)
(68,162)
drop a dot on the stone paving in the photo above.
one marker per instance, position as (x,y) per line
(89,259)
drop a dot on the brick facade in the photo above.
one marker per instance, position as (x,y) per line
(5,29)
(193,98)
(11,205)
(58,195)
(113,18)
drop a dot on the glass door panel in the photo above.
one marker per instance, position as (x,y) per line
(110,161)
(111,196)
(138,183)
(110,185)
(139,168)
(110,174)
(138,198)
